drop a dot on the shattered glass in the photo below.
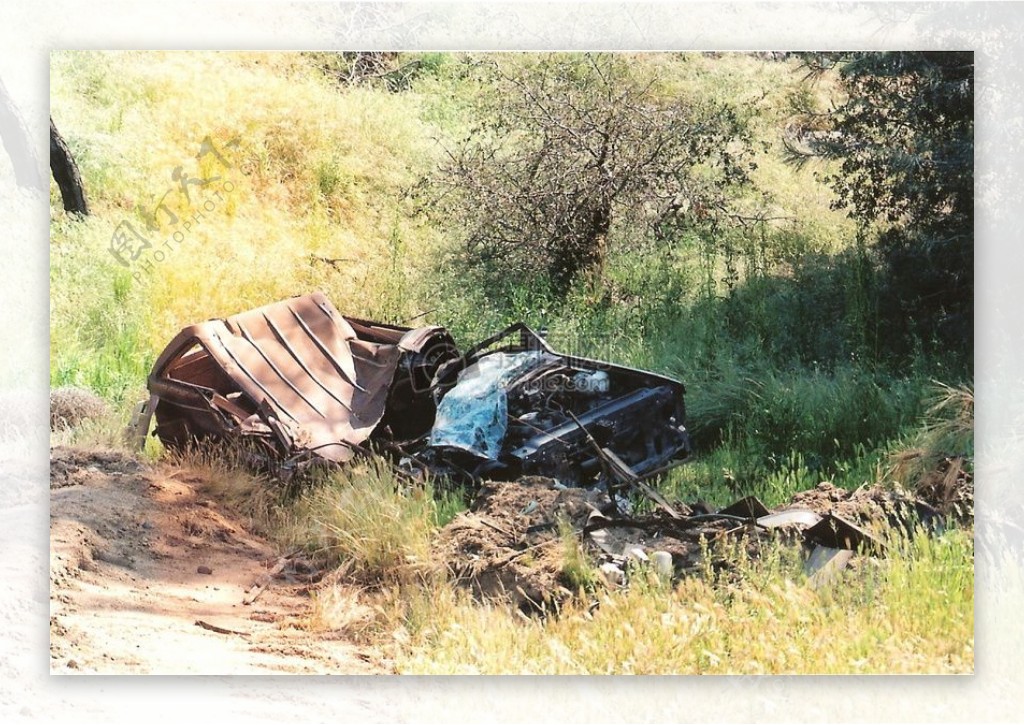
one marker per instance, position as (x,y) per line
(473,416)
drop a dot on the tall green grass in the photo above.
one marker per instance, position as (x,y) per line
(98,316)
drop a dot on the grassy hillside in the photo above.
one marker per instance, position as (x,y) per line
(255,177)
(315,175)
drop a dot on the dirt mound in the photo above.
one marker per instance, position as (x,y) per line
(76,467)
(872,507)
(509,544)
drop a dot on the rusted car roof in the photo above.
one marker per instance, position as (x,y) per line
(296,374)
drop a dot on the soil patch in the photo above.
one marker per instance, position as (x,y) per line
(510,544)
(147,575)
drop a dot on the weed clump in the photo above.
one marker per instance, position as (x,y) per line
(70,406)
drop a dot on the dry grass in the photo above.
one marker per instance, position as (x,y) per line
(221,474)
(342,608)
(70,406)
(912,614)
(938,462)
(368,522)
(105,428)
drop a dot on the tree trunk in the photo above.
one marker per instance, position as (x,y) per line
(65,173)
(582,248)
(18,144)
(597,246)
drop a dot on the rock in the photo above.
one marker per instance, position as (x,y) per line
(635,553)
(204,570)
(613,574)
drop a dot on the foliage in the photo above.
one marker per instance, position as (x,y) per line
(905,137)
(571,153)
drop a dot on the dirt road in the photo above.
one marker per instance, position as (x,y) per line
(147,576)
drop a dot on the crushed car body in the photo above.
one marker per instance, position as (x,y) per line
(296,384)
(513,406)
(295,381)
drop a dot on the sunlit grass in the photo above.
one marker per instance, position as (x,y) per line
(911,613)
(105,431)
(371,523)
(315,175)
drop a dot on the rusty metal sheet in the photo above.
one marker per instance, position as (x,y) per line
(837,533)
(747,507)
(295,376)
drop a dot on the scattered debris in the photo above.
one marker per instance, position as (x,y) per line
(258,587)
(835,532)
(514,541)
(291,569)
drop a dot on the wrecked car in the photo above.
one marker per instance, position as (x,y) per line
(513,406)
(297,384)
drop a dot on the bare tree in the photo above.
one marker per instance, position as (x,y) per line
(572,151)
(66,174)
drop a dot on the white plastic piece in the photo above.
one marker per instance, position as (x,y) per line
(637,554)
(663,564)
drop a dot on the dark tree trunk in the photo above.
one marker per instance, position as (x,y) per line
(18,144)
(581,249)
(65,173)
(597,242)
